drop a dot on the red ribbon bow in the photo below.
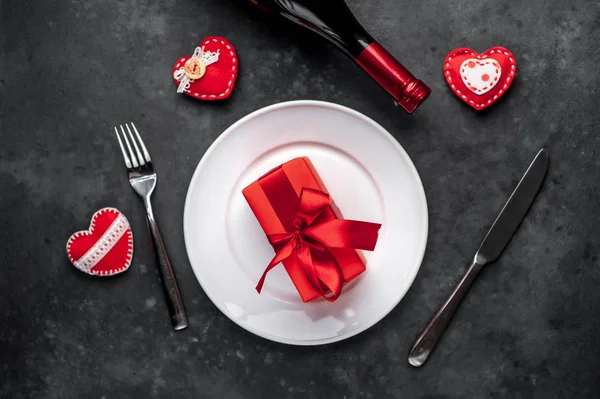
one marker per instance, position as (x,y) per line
(310,241)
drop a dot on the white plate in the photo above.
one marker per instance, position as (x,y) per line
(369,176)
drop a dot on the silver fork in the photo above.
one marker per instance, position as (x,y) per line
(142,178)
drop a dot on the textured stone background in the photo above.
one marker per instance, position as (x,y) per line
(70,70)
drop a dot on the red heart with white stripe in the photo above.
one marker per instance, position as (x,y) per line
(210,73)
(106,248)
(480,79)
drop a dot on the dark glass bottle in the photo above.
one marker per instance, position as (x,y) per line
(333,20)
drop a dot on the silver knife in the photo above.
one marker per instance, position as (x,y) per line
(493,244)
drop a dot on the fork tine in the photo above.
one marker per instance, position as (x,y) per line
(137,150)
(125,157)
(131,154)
(146,154)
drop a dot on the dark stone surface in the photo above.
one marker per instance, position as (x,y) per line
(70,70)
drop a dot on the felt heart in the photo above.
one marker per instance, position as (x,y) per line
(480,79)
(106,248)
(210,73)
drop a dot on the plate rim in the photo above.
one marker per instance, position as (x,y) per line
(298,103)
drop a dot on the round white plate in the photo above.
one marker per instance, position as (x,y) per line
(369,176)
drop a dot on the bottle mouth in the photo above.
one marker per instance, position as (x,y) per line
(416,92)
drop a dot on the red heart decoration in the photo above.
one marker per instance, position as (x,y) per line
(106,248)
(219,79)
(480,79)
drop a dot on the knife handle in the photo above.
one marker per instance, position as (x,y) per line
(435,329)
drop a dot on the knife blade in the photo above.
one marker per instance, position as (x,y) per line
(514,210)
(492,246)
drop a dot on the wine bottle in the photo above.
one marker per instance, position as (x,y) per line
(333,20)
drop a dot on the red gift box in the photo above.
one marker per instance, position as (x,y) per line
(318,249)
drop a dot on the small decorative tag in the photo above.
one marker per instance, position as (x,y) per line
(210,73)
(480,79)
(106,248)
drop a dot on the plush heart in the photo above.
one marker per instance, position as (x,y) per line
(106,248)
(480,79)
(211,73)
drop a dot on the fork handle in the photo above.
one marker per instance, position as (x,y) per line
(167,277)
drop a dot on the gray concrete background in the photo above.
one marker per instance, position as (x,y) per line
(70,70)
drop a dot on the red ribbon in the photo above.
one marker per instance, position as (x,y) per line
(310,241)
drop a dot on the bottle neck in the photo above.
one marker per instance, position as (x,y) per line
(333,20)
(408,91)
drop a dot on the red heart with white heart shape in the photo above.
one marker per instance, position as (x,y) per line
(106,248)
(210,73)
(480,79)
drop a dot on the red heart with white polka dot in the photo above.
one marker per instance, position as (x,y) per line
(480,79)
(219,70)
